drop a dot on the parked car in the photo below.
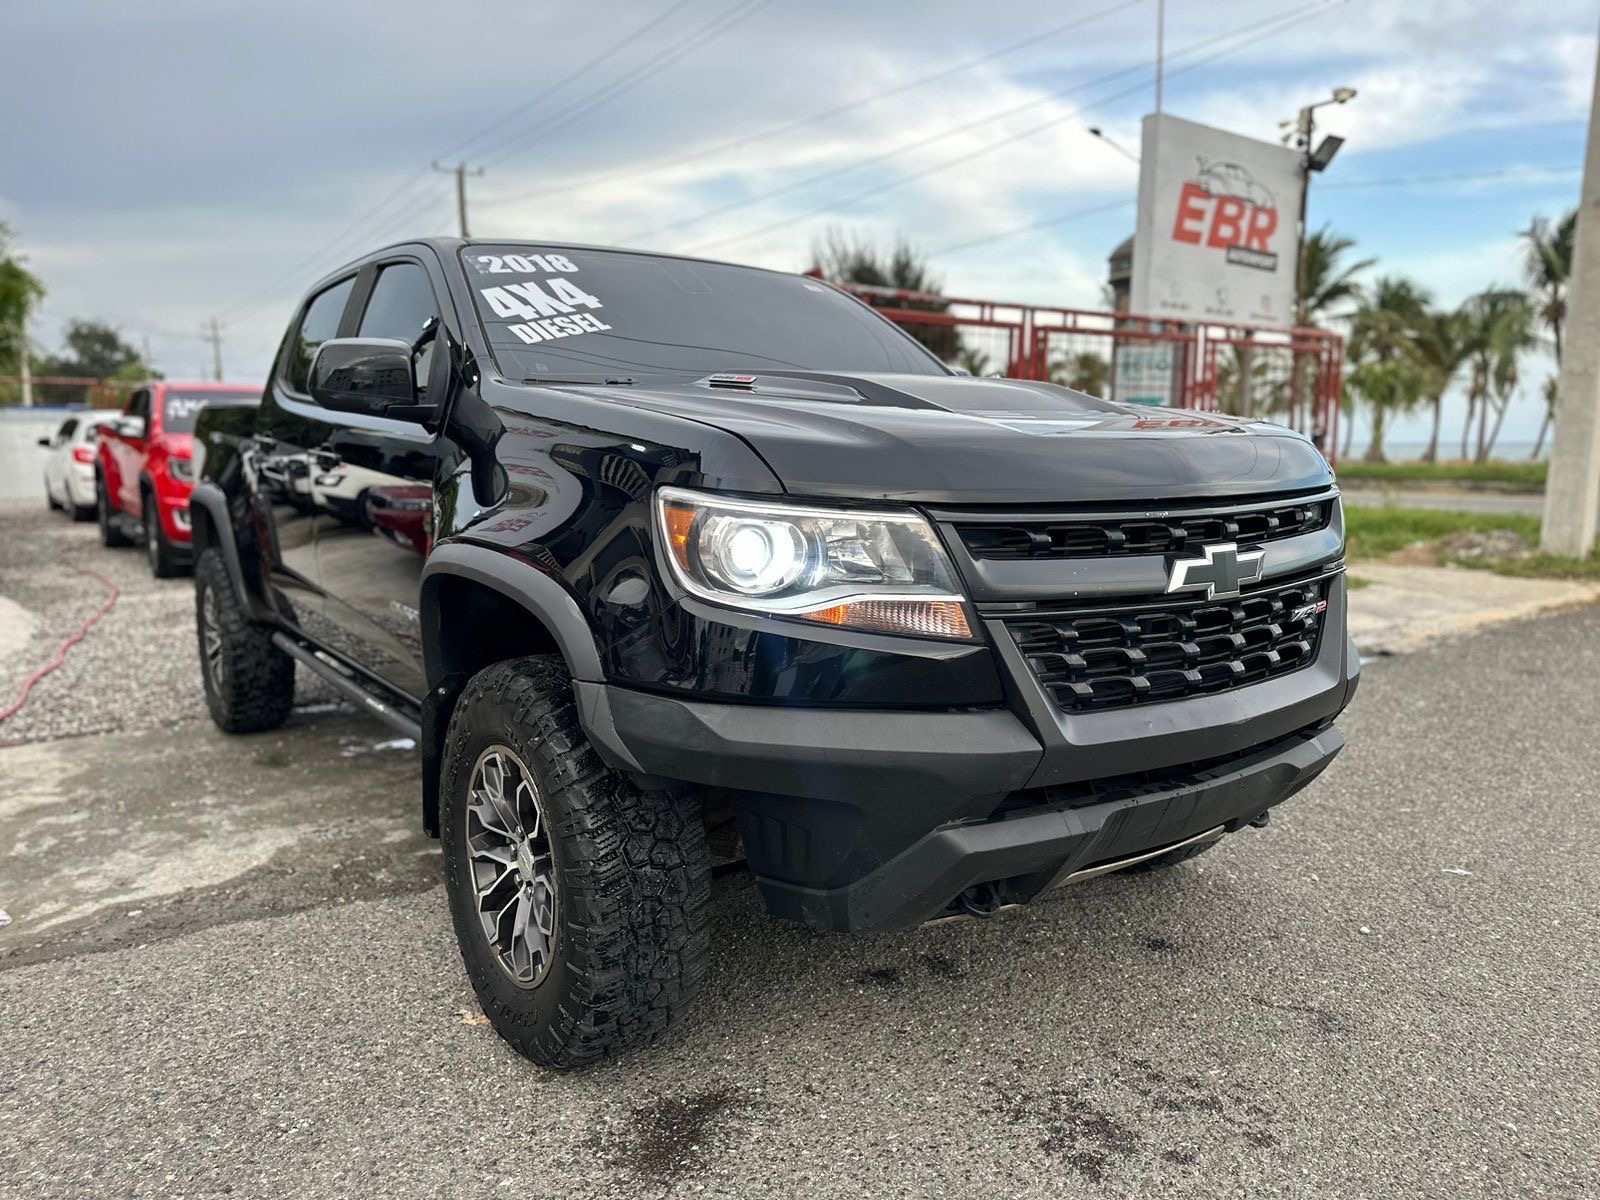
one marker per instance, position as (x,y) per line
(144,470)
(708,545)
(69,467)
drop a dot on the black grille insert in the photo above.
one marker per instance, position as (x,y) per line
(1098,659)
(1097,537)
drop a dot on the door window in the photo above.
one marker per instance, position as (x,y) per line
(320,323)
(64,434)
(402,307)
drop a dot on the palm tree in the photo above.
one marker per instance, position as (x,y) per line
(1387,374)
(1326,281)
(1327,286)
(973,361)
(1546,267)
(1441,349)
(1388,387)
(1085,371)
(1499,330)
(1550,391)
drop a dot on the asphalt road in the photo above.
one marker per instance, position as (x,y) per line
(230,970)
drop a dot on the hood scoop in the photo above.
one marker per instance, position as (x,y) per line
(813,385)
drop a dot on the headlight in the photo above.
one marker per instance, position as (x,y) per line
(181,469)
(879,571)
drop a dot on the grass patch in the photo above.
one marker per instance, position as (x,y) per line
(1546,566)
(1355,583)
(1376,533)
(1379,532)
(1509,476)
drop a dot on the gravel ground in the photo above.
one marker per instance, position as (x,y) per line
(1392,991)
(139,668)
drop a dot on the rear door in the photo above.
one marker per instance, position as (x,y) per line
(374,478)
(59,460)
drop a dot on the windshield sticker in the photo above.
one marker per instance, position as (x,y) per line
(521,264)
(540,310)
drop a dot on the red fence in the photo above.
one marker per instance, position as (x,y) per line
(1293,377)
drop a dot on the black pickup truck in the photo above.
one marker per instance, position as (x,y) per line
(638,546)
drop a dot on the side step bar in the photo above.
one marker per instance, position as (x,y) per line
(324,669)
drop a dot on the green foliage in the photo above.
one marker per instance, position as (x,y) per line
(20,291)
(1083,372)
(851,260)
(1327,282)
(97,351)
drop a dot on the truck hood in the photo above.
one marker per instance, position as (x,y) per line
(959,440)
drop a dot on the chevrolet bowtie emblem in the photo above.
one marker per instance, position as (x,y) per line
(1221,571)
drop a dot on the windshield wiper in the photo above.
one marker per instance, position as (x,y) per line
(608,381)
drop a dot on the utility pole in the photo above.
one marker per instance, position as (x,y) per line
(1572,495)
(212,332)
(27,372)
(460,172)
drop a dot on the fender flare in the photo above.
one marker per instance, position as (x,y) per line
(540,593)
(209,498)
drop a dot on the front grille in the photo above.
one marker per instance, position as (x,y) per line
(1097,537)
(1095,659)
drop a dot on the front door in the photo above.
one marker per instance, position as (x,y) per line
(373,479)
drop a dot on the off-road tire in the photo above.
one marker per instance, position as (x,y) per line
(1171,858)
(50,498)
(83,512)
(162,555)
(255,689)
(632,872)
(110,535)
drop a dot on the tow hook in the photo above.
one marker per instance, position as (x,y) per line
(981,900)
(1261,821)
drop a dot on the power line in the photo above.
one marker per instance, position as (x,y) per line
(363,224)
(714,28)
(1459,177)
(1095,210)
(905,147)
(827,114)
(566,80)
(1276,25)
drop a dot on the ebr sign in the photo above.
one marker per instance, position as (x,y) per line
(1216,237)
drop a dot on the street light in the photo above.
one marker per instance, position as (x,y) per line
(1122,150)
(1299,132)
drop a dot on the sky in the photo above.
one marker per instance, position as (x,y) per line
(172,161)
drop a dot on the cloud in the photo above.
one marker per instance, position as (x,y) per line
(213,159)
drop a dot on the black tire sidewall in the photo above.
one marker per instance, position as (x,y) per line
(530,1012)
(154,551)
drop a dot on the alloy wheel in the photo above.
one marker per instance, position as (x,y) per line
(511,865)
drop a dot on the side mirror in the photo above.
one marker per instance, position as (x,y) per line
(46,442)
(130,427)
(364,375)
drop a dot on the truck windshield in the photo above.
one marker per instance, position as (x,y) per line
(578,315)
(181,409)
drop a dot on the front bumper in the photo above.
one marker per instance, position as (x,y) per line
(870,819)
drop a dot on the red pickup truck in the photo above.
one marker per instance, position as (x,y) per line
(144,469)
